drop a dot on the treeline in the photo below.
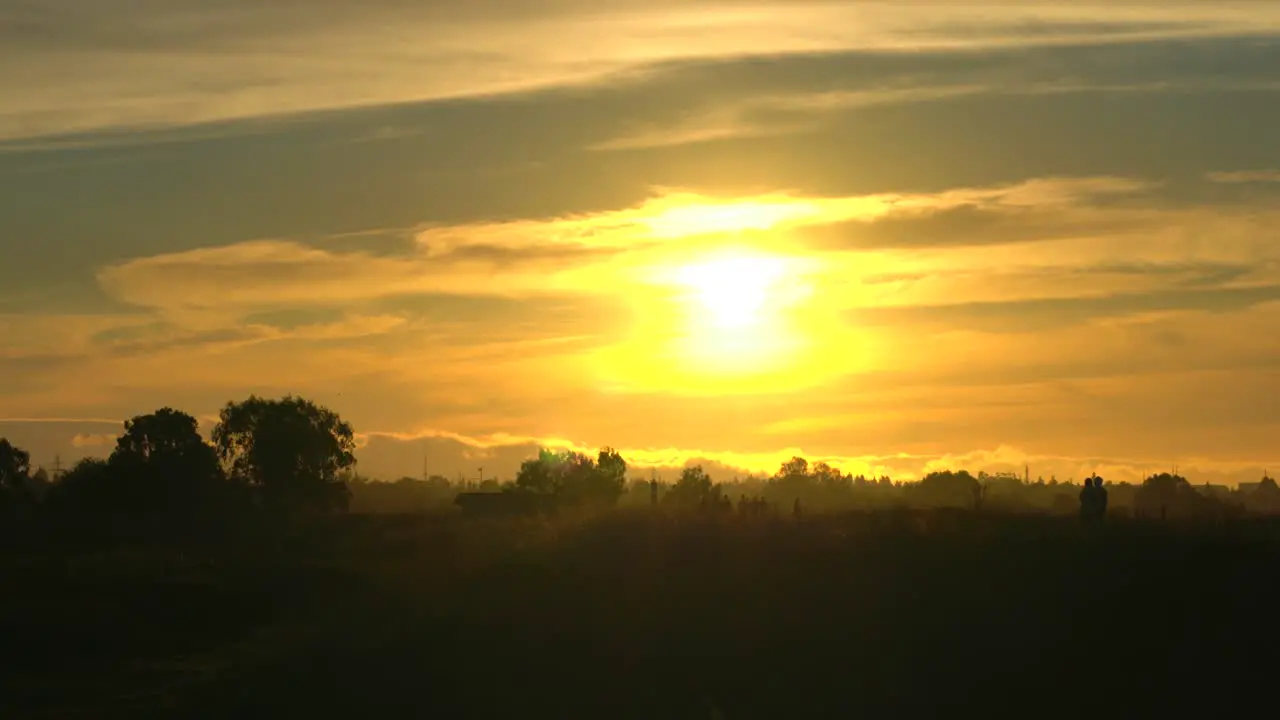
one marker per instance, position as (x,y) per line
(292,456)
(271,456)
(823,488)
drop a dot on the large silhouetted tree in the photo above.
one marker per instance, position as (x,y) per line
(795,470)
(292,451)
(595,483)
(541,474)
(1165,494)
(947,489)
(164,465)
(15,472)
(575,478)
(612,475)
(694,489)
(1265,498)
(828,477)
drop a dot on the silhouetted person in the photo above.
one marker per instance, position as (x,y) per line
(795,509)
(1087,502)
(1099,500)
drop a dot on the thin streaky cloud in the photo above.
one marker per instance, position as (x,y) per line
(1245,176)
(583,255)
(79,70)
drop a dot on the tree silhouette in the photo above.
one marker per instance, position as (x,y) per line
(539,474)
(15,473)
(86,488)
(40,483)
(1265,498)
(947,489)
(164,465)
(574,478)
(829,478)
(694,489)
(292,451)
(613,471)
(587,482)
(795,469)
(545,473)
(1170,495)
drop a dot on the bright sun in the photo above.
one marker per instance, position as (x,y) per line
(738,314)
(726,305)
(733,293)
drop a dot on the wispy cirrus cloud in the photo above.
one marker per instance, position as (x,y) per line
(573,254)
(1238,177)
(109,64)
(769,115)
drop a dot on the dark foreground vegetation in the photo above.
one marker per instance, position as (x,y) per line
(228,580)
(647,614)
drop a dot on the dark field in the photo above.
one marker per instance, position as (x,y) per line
(639,615)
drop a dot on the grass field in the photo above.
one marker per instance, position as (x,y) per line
(644,615)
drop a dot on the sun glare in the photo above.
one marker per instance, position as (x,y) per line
(682,220)
(729,309)
(733,293)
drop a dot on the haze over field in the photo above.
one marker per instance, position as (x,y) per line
(892,237)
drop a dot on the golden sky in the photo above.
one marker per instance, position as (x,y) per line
(894,237)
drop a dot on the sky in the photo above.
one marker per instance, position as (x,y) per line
(896,237)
